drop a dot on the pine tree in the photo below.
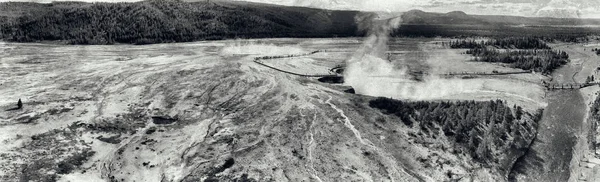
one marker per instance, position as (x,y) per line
(19,104)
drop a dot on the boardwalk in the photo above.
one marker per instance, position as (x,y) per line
(568,86)
(257,60)
(292,73)
(549,86)
(287,56)
(484,73)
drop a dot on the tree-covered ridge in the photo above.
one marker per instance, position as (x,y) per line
(481,128)
(158,21)
(170,21)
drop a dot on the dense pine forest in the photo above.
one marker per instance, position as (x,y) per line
(163,21)
(503,43)
(544,61)
(479,127)
(523,53)
(167,21)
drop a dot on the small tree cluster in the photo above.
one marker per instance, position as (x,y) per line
(590,79)
(596,50)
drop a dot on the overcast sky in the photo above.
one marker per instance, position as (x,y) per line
(553,8)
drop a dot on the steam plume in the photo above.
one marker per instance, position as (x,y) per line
(369,73)
(363,70)
(238,47)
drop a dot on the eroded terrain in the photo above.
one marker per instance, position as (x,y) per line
(205,110)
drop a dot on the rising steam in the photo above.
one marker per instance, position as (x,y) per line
(370,73)
(366,67)
(242,47)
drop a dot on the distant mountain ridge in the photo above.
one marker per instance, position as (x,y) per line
(459,17)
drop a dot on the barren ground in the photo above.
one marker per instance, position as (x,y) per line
(231,118)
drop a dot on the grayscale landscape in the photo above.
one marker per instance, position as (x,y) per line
(245,91)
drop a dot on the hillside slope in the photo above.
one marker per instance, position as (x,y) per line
(177,21)
(167,21)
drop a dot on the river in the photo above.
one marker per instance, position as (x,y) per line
(550,154)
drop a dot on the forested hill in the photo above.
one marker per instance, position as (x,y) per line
(166,21)
(160,21)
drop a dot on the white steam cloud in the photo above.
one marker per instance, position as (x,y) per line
(369,73)
(243,47)
(367,68)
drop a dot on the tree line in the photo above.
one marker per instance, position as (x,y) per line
(503,43)
(545,61)
(163,21)
(519,52)
(575,38)
(595,115)
(480,127)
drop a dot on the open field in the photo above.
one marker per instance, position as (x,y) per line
(231,118)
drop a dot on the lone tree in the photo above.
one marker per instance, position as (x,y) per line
(19,104)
